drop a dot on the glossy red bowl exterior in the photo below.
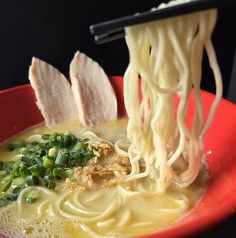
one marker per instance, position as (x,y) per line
(19,111)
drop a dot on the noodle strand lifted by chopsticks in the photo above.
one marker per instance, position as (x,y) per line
(166,56)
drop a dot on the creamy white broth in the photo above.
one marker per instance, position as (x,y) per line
(66,213)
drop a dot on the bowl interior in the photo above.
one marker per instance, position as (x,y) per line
(19,111)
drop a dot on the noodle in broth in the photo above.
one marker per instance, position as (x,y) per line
(105,212)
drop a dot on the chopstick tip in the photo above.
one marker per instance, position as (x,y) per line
(91,29)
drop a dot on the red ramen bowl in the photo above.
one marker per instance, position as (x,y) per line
(19,111)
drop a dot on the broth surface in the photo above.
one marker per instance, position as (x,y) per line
(65,213)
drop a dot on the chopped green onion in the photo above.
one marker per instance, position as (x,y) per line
(3,172)
(32,197)
(80,146)
(52,152)
(61,159)
(68,139)
(18,181)
(12,196)
(4,202)
(17,190)
(25,159)
(71,162)
(34,143)
(23,169)
(8,164)
(38,160)
(31,180)
(7,186)
(15,169)
(17,144)
(6,178)
(24,151)
(50,184)
(45,136)
(37,170)
(58,173)
(50,160)
(69,173)
(48,163)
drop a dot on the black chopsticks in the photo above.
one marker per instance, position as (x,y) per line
(114,29)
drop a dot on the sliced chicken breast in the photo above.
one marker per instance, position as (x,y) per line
(95,99)
(55,98)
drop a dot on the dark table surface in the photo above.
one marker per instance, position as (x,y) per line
(54,30)
(225,229)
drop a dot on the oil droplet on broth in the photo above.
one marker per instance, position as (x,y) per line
(28,230)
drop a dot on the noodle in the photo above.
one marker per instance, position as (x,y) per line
(165,60)
(167,56)
(104,211)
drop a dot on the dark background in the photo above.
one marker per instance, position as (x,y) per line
(54,30)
